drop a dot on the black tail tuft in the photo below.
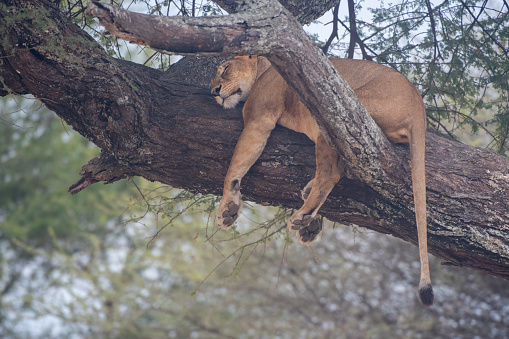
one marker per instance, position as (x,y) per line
(426,295)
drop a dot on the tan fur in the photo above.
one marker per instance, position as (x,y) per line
(391,100)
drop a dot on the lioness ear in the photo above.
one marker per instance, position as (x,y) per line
(253,58)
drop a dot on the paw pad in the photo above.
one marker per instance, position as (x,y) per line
(310,233)
(303,223)
(230,214)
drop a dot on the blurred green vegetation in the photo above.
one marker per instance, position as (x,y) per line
(456,53)
(40,158)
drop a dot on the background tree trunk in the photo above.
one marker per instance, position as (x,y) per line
(167,128)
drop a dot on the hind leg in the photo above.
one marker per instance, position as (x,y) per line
(306,220)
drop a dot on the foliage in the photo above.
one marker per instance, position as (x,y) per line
(455,51)
(39,157)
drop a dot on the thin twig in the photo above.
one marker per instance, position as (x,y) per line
(233,253)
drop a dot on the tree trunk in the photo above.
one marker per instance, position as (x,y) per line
(169,129)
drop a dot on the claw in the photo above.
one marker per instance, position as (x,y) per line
(233,207)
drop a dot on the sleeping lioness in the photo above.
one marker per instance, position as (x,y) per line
(391,100)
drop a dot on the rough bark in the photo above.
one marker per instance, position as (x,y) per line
(266,28)
(172,132)
(304,11)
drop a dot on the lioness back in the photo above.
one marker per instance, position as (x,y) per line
(386,94)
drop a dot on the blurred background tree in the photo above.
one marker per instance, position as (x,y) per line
(138,260)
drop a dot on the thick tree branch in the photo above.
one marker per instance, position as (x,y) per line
(304,11)
(270,30)
(173,132)
(11,80)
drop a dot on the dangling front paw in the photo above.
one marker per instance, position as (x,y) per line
(227,214)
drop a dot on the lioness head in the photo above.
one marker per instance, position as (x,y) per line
(234,80)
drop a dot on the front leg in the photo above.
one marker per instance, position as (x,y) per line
(248,149)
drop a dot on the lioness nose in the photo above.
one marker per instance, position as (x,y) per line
(216,90)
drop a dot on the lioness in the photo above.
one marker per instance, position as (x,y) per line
(391,100)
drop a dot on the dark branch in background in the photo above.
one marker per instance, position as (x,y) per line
(353,28)
(465,116)
(334,33)
(354,35)
(476,21)
(361,43)
(437,53)
(439,124)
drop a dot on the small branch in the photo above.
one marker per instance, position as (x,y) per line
(354,34)
(353,28)
(101,168)
(437,53)
(178,34)
(492,38)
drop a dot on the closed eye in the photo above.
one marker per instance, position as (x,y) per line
(225,69)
